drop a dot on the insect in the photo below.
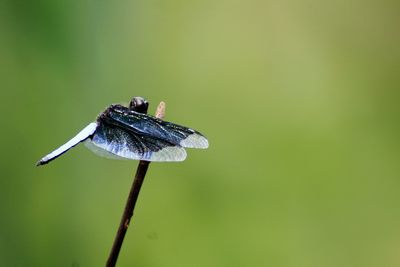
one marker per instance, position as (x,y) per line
(122,132)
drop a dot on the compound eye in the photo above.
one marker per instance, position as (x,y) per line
(139,104)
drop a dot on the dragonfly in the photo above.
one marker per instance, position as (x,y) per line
(121,132)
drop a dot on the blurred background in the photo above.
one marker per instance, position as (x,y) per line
(299,100)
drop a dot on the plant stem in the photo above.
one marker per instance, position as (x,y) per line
(132,198)
(128,212)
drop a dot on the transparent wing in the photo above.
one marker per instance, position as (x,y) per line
(81,136)
(148,125)
(114,142)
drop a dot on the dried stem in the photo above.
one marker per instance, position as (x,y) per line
(130,203)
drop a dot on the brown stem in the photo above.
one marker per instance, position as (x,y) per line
(128,212)
(130,203)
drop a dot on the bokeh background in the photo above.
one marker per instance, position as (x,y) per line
(299,99)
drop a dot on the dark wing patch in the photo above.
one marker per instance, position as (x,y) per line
(113,141)
(150,126)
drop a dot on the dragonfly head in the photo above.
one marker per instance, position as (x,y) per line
(139,104)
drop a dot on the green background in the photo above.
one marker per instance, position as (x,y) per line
(299,100)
